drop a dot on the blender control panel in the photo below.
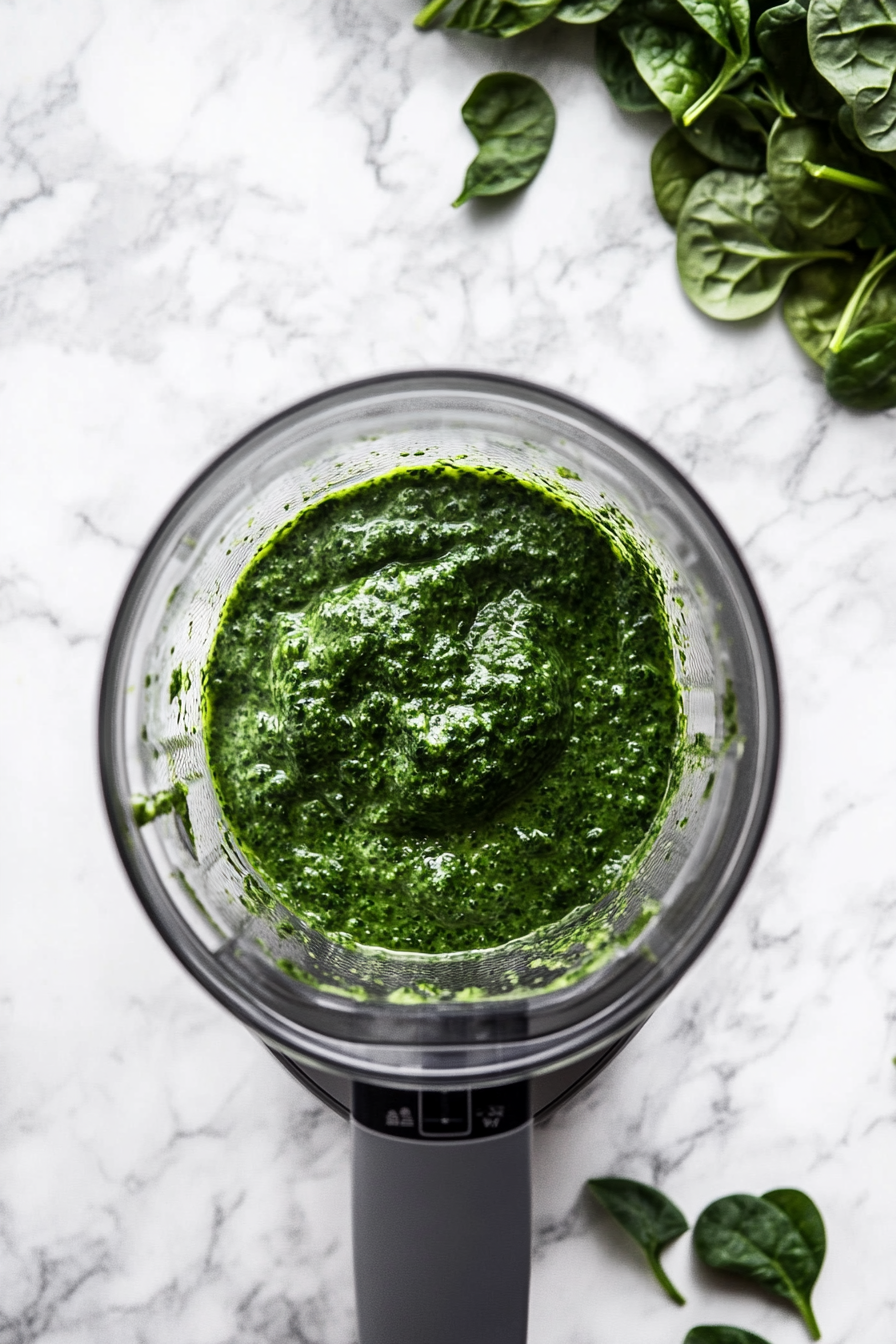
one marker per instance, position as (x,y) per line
(471,1113)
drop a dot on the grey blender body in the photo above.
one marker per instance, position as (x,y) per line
(441,1084)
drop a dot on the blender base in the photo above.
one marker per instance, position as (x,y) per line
(548,1090)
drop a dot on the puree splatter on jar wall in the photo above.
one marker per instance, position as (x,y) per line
(441,711)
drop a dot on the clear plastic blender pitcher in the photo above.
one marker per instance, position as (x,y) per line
(440,1050)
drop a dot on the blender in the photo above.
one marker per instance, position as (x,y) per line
(441,1062)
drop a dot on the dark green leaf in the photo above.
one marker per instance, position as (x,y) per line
(825,212)
(862,373)
(776,1241)
(804,1215)
(674,168)
(735,248)
(853,45)
(512,119)
(647,1216)
(783,39)
(585,11)
(729,135)
(721,1334)
(617,70)
(675,64)
(500,18)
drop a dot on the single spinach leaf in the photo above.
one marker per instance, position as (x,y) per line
(726,21)
(853,45)
(674,168)
(777,1241)
(823,211)
(862,373)
(675,64)
(736,248)
(783,39)
(729,134)
(880,265)
(814,299)
(512,119)
(647,1216)
(585,11)
(500,18)
(721,1334)
(617,70)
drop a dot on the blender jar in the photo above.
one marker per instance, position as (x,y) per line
(439,1047)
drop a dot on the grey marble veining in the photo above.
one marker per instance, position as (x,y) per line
(207,211)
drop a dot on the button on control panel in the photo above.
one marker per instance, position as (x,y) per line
(434,1116)
(444,1115)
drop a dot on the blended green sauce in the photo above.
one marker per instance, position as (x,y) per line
(441,709)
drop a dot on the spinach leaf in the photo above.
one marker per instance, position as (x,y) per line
(500,18)
(721,1334)
(881,264)
(729,134)
(675,64)
(735,247)
(512,119)
(674,168)
(814,299)
(728,23)
(617,70)
(783,39)
(853,45)
(823,210)
(777,1240)
(862,373)
(647,1216)
(585,11)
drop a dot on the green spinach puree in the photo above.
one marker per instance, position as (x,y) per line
(441,709)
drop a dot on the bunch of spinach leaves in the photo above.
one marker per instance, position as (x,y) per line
(778,170)
(776,1239)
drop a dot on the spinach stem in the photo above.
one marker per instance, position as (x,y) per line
(826,174)
(719,84)
(805,1309)
(429,12)
(877,269)
(729,71)
(663,1279)
(774,94)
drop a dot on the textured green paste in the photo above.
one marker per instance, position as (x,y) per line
(441,709)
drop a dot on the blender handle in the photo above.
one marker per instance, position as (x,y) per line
(442,1226)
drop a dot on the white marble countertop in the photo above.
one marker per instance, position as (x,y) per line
(210,210)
